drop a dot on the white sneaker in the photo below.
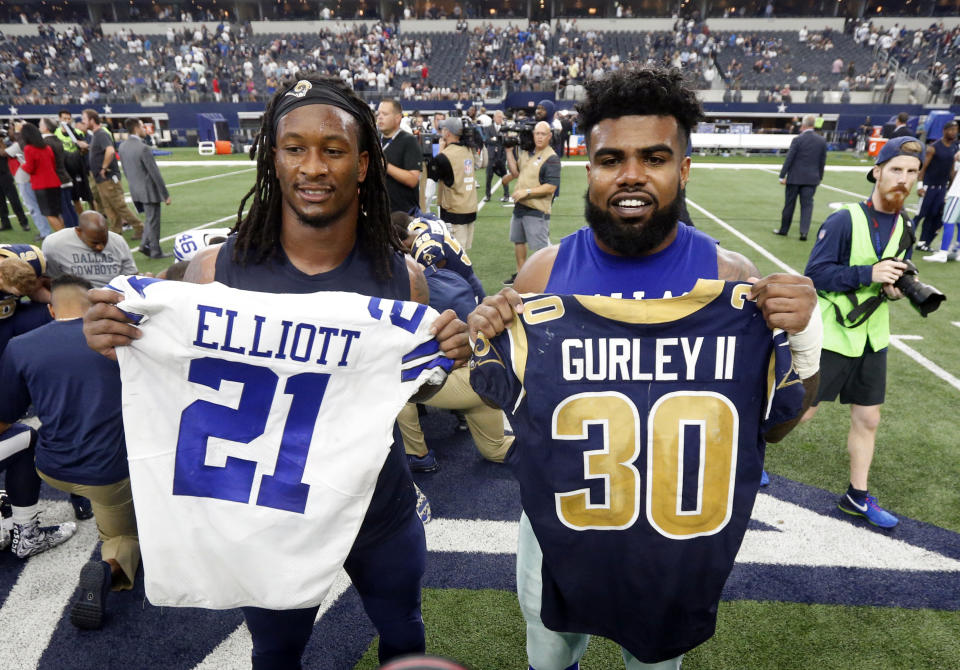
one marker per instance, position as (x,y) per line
(937,257)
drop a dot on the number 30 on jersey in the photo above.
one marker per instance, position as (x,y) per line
(708,415)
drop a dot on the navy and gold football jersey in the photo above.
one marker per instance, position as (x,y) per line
(434,244)
(34,258)
(639,449)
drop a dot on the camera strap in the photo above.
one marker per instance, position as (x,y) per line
(863,311)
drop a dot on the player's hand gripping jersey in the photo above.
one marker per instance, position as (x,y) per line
(256,426)
(639,449)
(434,243)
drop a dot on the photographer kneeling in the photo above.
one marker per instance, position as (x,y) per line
(454,170)
(854,286)
(538,177)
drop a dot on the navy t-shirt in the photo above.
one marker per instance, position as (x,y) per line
(76,393)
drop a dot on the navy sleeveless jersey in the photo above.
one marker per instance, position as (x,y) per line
(938,171)
(394,498)
(639,449)
(582,267)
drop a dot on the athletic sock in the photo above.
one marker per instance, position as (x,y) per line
(25,515)
(858,496)
(948,229)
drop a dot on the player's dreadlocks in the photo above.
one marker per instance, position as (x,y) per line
(258,234)
(642,91)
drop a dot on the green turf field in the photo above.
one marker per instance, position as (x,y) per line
(916,469)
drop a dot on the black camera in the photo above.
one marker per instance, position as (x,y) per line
(427,142)
(471,137)
(923,297)
(519,135)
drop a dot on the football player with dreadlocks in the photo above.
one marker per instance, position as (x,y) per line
(319,220)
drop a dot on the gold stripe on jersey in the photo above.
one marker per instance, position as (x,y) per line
(518,348)
(662,310)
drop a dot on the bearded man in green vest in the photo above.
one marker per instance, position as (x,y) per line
(854,265)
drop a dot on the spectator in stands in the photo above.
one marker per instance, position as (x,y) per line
(40,163)
(537,174)
(89,251)
(106,174)
(67,211)
(146,185)
(802,171)
(401,151)
(453,170)
(8,191)
(76,394)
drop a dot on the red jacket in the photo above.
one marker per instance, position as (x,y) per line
(41,165)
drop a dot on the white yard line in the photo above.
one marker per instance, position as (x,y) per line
(895,340)
(215,176)
(733,231)
(190,230)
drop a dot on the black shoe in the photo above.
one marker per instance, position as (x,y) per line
(778,232)
(486,198)
(6,226)
(90,598)
(25,228)
(146,251)
(82,509)
(509,282)
(803,238)
(161,255)
(505,198)
(923,246)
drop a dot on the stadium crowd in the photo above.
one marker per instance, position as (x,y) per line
(231,63)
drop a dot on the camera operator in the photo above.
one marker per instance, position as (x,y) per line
(454,171)
(854,285)
(538,177)
(497,155)
(401,150)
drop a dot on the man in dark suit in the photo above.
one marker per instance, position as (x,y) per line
(146,185)
(802,172)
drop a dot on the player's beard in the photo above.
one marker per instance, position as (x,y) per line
(893,200)
(632,239)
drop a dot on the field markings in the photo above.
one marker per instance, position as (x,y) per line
(190,230)
(214,176)
(35,605)
(895,340)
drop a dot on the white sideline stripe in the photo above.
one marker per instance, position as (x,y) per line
(190,230)
(204,163)
(726,226)
(858,196)
(239,645)
(35,605)
(459,535)
(803,537)
(956,323)
(810,539)
(213,176)
(127,198)
(897,341)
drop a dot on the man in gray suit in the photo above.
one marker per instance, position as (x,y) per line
(802,172)
(146,185)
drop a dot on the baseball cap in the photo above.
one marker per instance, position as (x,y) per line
(894,148)
(453,124)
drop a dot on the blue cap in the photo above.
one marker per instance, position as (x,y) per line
(894,148)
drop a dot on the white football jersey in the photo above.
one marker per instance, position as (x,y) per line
(256,426)
(188,244)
